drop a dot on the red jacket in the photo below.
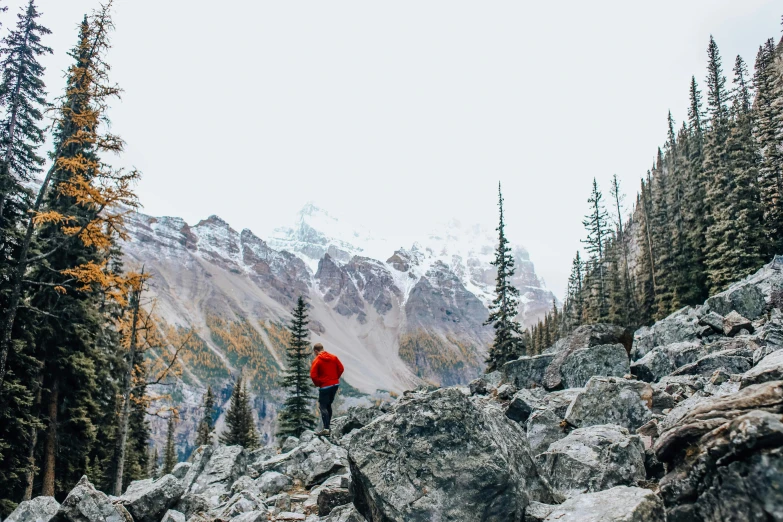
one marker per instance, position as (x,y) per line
(326,370)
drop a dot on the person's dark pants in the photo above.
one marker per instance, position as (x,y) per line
(325,400)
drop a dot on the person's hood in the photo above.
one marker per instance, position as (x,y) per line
(326,356)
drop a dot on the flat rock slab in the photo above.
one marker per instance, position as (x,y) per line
(39,509)
(444,455)
(610,400)
(593,459)
(770,368)
(619,504)
(728,360)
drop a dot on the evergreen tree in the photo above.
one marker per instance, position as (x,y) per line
(207,423)
(627,302)
(241,429)
(296,415)
(170,452)
(646,284)
(768,80)
(575,300)
(661,237)
(507,345)
(597,227)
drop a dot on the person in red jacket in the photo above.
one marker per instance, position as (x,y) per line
(325,373)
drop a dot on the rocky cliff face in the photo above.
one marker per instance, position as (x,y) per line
(396,317)
(683,424)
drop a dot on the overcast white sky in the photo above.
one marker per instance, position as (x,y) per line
(398,115)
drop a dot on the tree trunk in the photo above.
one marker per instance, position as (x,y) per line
(50,457)
(30,473)
(126,397)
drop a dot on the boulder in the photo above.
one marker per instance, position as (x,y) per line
(586,336)
(681,326)
(713,320)
(148,500)
(181,469)
(537,511)
(543,428)
(356,418)
(243,483)
(307,436)
(559,401)
(242,502)
(271,483)
(663,360)
(322,466)
(39,509)
(506,391)
(198,460)
(344,514)
(173,516)
(770,368)
(479,386)
(225,465)
(527,372)
(252,516)
(593,459)
(610,400)
(289,444)
(330,497)
(444,455)
(619,504)
(86,504)
(290,516)
(192,504)
(523,403)
(734,323)
(743,298)
(609,360)
(727,360)
(732,472)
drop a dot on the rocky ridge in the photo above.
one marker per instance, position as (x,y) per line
(680,436)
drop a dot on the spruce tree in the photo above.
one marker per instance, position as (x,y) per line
(646,284)
(240,427)
(628,303)
(596,224)
(661,234)
(507,344)
(207,424)
(296,415)
(575,301)
(170,451)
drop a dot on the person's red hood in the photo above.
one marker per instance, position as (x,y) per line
(326,370)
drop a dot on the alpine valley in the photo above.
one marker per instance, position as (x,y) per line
(397,317)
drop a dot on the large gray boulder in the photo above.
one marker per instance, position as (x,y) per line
(527,372)
(86,504)
(148,500)
(39,509)
(354,419)
(173,515)
(770,368)
(559,401)
(681,326)
(593,459)
(610,400)
(242,502)
(344,514)
(523,403)
(271,483)
(731,473)
(728,360)
(199,458)
(663,360)
(752,296)
(543,428)
(225,465)
(444,455)
(619,504)
(192,504)
(586,336)
(609,360)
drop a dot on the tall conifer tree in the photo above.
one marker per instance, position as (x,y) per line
(596,224)
(296,415)
(507,345)
(240,426)
(170,451)
(206,424)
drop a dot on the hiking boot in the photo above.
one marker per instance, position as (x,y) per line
(323,433)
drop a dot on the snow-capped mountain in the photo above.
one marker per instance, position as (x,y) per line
(396,316)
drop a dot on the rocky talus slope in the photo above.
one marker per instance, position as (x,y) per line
(682,421)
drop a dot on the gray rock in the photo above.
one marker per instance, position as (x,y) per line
(271,483)
(39,509)
(506,391)
(198,459)
(86,504)
(609,400)
(732,472)
(713,320)
(225,465)
(522,405)
(559,401)
(192,504)
(726,360)
(252,516)
(681,326)
(734,323)
(289,444)
(608,360)
(148,500)
(243,483)
(593,459)
(344,514)
(173,516)
(181,469)
(663,360)
(444,454)
(495,379)
(356,418)
(330,498)
(543,428)
(537,511)
(770,368)
(306,436)
(479,386)
(745,299)
(242,502)
(585,336)
(321,467)
(527,372)
(619,504)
